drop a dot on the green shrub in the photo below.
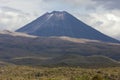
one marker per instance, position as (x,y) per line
(97,77)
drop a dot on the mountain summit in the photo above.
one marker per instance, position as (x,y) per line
(62,23)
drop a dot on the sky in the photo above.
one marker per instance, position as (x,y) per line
(103,15)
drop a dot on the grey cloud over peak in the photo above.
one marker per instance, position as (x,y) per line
(109,4)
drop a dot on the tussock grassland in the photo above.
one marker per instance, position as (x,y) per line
(58,73)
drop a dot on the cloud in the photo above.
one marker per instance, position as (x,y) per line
(109,4)
(71,3)
(4,1)
(12,19)
(108,22)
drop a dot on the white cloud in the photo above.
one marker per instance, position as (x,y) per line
(12,19)
(108,22)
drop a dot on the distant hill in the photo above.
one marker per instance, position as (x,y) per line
(67,60)
(20,48)
(83,61)
(62,23)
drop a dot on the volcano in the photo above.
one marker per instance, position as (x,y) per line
(62,23)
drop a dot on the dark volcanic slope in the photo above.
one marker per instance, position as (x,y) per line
(15,45)
(63,24)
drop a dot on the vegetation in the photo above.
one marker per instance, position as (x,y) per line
(71,60)
(16,46)
(58,73)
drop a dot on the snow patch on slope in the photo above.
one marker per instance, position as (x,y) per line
(49,16)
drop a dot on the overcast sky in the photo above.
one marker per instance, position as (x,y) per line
(103,15)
